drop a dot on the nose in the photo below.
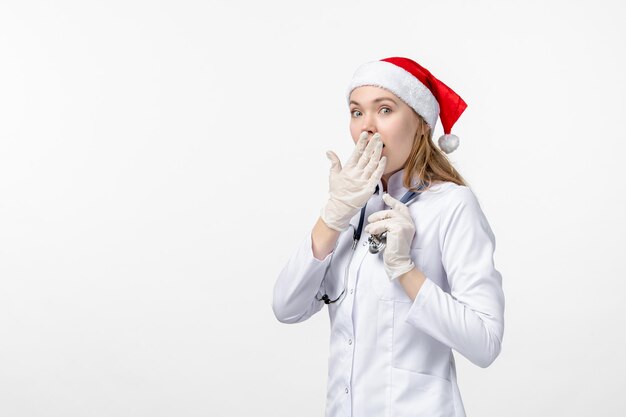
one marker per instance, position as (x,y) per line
(369,125)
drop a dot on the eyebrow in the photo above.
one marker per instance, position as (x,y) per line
(379,99)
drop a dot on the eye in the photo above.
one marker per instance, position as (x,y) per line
(355,111)
(387,108)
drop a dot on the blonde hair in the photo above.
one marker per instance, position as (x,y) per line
(427,162)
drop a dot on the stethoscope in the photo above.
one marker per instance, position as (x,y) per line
(376,243)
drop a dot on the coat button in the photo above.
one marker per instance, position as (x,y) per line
(351,290)
(346,390)
(364,243)
(349,341)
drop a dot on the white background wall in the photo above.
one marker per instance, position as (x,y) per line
(160,161)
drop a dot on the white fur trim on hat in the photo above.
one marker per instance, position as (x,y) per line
(400,82)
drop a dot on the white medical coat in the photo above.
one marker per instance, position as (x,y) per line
(390,355)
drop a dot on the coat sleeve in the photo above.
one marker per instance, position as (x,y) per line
(471,318)
(298,284)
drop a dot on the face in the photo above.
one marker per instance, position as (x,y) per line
(374,109)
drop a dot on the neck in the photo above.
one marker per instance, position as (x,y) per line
(385,179)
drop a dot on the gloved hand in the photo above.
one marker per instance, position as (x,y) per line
(400,231)
(352,186)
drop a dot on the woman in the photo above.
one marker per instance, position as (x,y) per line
(398,306)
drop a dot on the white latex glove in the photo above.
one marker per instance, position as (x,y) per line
(400,229)
(352,186)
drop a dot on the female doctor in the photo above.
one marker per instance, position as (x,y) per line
(402,254)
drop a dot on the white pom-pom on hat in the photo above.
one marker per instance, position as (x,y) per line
(448,142)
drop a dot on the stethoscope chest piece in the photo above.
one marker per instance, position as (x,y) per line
(377,242)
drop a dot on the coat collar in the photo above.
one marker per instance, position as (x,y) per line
(395,187)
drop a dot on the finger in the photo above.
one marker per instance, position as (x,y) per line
(369,150)
(373,161)
(335,167)
(395,204)
(358,150)
(380,215)
(378,227)
(377,175)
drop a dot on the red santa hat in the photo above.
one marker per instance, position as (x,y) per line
(418,88)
